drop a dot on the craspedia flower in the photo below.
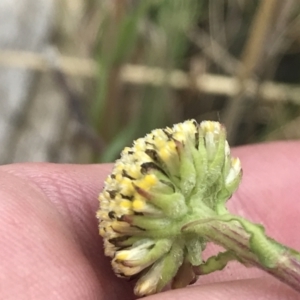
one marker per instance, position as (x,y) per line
(167,179)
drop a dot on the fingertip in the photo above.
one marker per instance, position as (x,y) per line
(250,289)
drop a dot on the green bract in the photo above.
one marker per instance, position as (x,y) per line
(166,181)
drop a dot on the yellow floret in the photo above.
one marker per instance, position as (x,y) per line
(119,168)
(171,145)
(179,136)
(149,136)
(125,204)
(108,180)
(104,195)
(139,145)
(164,154)
(235,162)
(150,179)
(138,204)
(147,182)
(134,172)
(145,287)
(160,143)
(119,177)
(210,126)
(121,255)
(126,150)
(126,186)
(102,231)
(102,215)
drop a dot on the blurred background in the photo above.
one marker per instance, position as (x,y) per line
(81,79)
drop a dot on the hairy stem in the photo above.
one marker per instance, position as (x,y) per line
(248,243)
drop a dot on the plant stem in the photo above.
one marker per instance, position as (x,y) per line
(247,243)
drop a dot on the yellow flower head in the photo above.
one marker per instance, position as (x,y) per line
(165,180)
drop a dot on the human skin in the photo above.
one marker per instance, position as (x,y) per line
(50,247)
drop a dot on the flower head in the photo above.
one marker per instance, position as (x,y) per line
(170,177)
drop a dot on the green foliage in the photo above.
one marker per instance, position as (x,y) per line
(154,33)
(126,39)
